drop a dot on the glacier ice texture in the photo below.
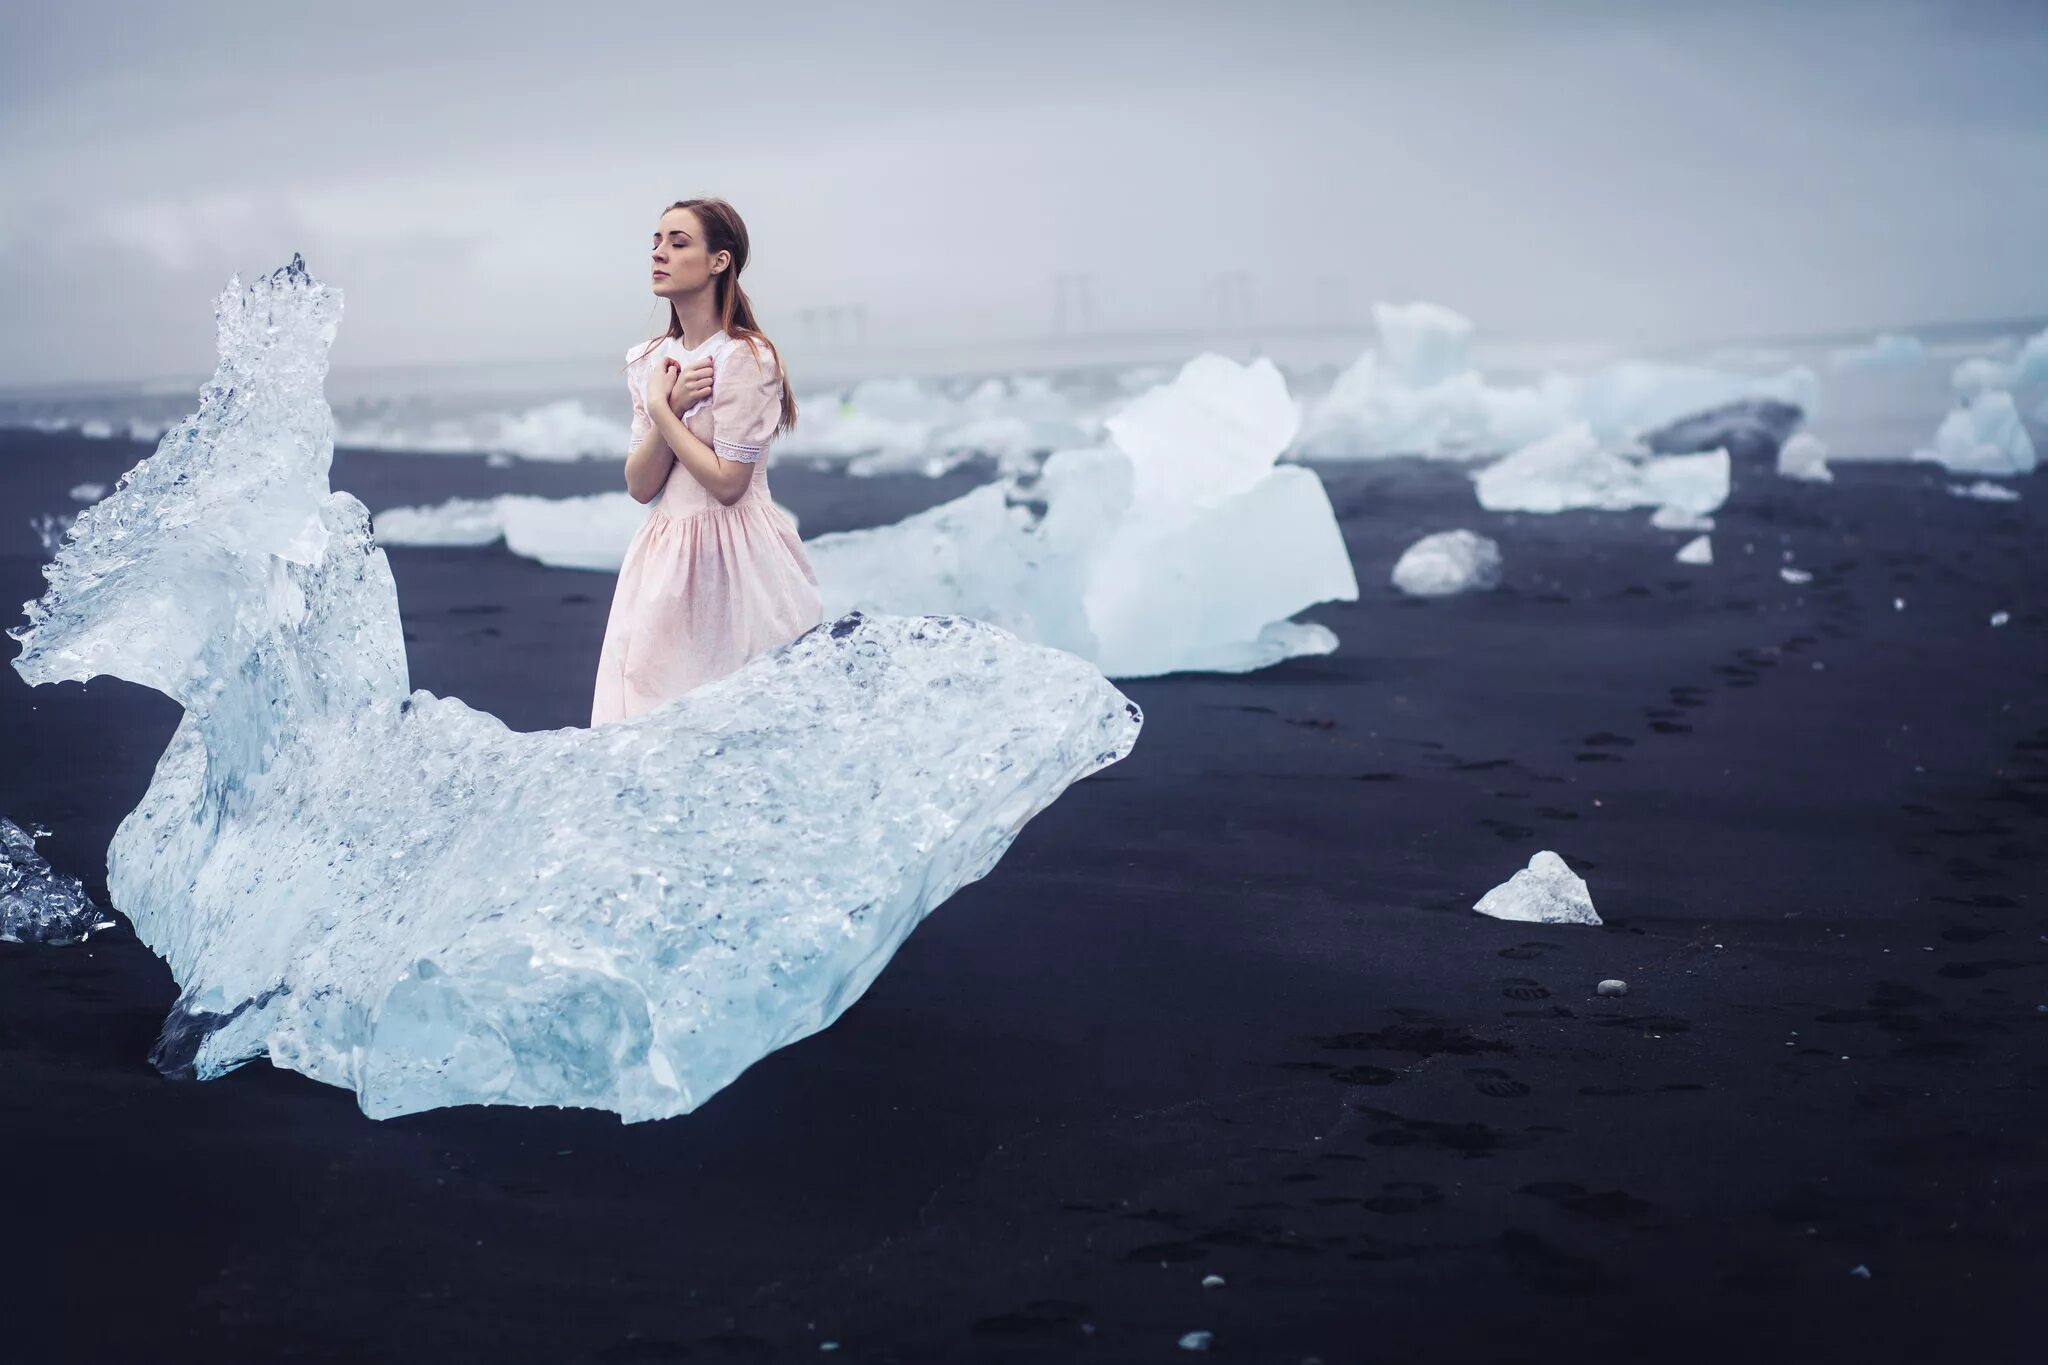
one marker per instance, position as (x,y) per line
(1547,891)
(392,892)
(909,426)
(1419,392)
(38,905)
(587,532)
(1178,545)
(1448,562)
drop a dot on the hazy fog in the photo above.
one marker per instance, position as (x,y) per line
(482,180)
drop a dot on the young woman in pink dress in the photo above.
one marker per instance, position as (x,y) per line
(716,574)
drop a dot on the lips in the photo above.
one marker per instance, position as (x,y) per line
(661,274)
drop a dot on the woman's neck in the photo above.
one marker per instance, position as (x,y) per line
(699,318)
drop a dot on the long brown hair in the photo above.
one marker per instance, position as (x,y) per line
(725,231)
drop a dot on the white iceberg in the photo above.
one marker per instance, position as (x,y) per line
(1448,562)
(1885,351)
(587,532)
(1178,546)
(392,892)
(1547,891)
(1568,469)
(1804,457)
(1985,436)
(38,905)
(1418,393)
(1698,550)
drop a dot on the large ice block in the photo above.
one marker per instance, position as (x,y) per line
(393,892)
(1178,546)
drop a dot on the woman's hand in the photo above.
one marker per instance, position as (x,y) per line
(684,389)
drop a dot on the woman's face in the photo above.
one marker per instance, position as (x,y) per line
(681,266)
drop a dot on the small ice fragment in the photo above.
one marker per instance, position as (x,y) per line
(1212,1282)
(1861,1272)
(828,1345)
(1611,987)
(1448,562)
(49,529)
(1547,891)
(1984,491)
(88,492)
(96,429)
(1898,604)
(1792,575)
(1805,457)
(36,904)
(1698,550)
(1999,618)
(1197,1341)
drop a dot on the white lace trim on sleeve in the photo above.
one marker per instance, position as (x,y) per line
(736,450)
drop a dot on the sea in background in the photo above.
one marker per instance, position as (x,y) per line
(1869,406)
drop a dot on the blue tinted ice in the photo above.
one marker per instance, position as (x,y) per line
(393,892)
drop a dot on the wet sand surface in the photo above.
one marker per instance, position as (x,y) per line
(1222,1010)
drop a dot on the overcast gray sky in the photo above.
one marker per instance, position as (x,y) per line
(482,180)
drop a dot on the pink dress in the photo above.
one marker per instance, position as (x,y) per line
(705,587)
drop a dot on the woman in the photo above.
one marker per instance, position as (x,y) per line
(716,574)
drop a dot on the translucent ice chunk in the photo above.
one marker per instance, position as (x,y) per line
(1985,436)
(87,492)
(1547,891)
(1178,546)
(1448,562)
(392,892)
(36,904)
(1698,550)
(1804,456)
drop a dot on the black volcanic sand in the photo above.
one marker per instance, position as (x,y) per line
(1222,1010)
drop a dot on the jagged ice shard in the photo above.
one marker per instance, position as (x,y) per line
(393,892)
(1177,546)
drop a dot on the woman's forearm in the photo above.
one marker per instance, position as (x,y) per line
(648,465)
(725,480)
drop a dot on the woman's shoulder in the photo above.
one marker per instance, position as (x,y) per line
(751,353)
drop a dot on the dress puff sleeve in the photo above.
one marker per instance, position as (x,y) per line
(636,384)
(746,402)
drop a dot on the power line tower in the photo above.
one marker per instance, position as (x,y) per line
(1073,303)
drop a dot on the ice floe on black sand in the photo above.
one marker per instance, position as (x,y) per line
(392,892)
(1448,562)
(1178,544)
